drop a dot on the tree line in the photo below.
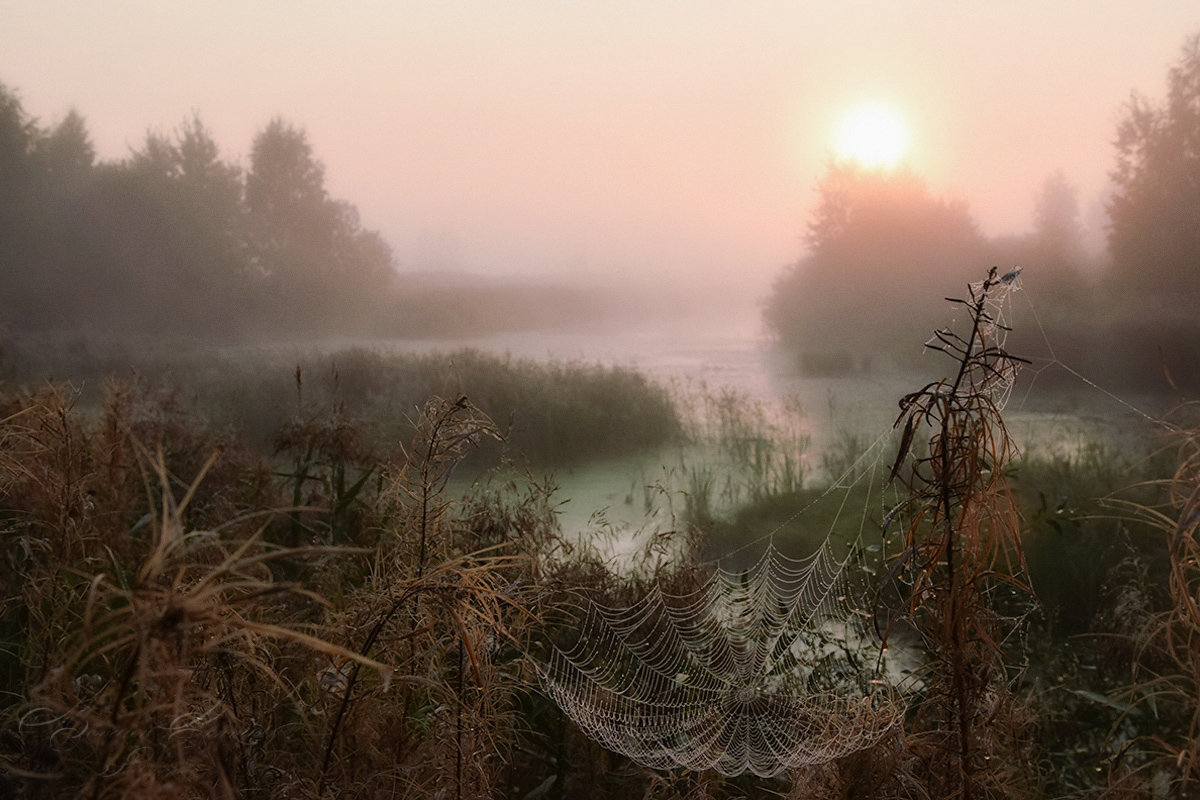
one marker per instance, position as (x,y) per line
(177,239)
(879,241)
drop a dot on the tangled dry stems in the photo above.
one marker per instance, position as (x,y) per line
(1165,651)
(961,546)
(162,645)
(182,619)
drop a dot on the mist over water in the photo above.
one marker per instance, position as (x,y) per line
(327,338)
(818,417)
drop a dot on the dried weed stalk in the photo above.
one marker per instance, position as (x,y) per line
(158,641)
(960,547)
(447,609)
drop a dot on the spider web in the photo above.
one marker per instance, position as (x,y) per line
(763,670)
(997,371)
(760,671)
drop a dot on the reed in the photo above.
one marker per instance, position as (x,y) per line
(553,413)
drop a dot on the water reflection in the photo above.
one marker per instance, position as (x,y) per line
(816,423)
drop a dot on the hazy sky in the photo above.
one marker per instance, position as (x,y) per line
(609,138)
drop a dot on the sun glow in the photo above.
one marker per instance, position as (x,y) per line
(874,135)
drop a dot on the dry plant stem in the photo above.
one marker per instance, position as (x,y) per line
(154,645)
(144,679)
(447,430)
(957,687)
(428,464)
(957,490)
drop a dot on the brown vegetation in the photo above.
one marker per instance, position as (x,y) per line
(184,616)
(160,642)
(960,547)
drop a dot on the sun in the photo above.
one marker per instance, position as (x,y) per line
(872,134)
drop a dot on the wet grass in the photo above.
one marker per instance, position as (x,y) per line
(551,413)
(253,579)
(172,626)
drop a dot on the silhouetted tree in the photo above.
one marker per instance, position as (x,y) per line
(1057,231)
(18,134)
(132,270)
(879,243)
(65,162)
(161,243)
(286,202)
(857,203)
(66,153)
(174,239)
(1053,257)
(1053,252)
(1150,327)
(209,207)
(43,176)
(319,267)
(1154,234)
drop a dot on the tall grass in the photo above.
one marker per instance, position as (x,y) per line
(265,590)
(552,413)
(1160,752)
(744,454)
(160,641)
(1072,541)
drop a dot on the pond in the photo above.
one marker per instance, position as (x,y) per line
(814,420)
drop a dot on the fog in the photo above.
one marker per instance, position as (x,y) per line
(346,346)
(475,169)
(608,141)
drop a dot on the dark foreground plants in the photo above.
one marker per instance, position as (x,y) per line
(157,641)
(960,550)
(184,615)
(1157,747)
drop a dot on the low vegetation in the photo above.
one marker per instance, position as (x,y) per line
(197,605)
(173,626)
(246,573)
(549,412)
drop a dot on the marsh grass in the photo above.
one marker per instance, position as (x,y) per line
(266,590)
(552,413)
(765,452)
(163,638)
(743,454)
(801,521)
(1072,541)
(1155,741)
